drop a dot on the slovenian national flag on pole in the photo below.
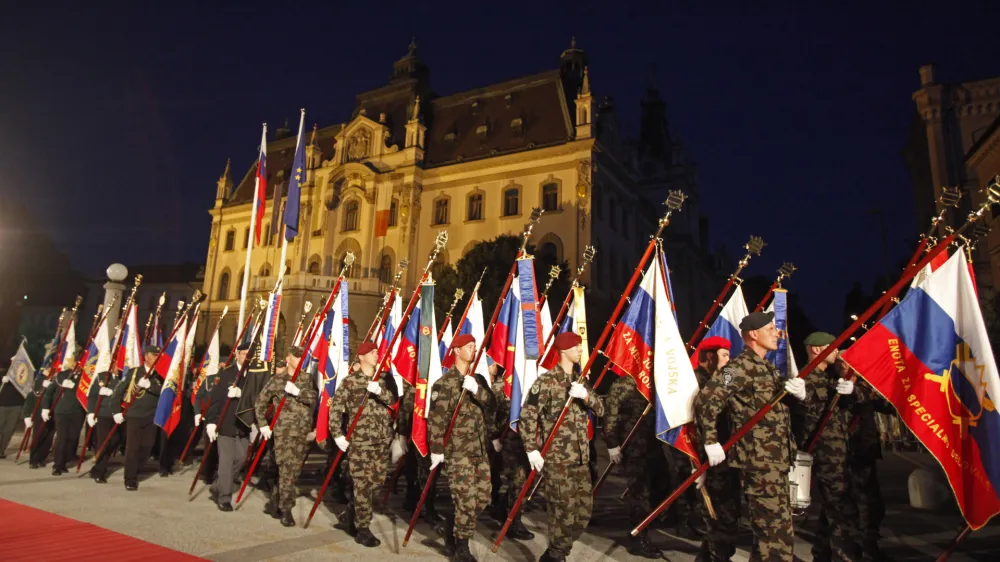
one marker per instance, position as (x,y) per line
(727,324)
(129,352)
(333,364)
(631,345)
(428,368)
(260,197)
(504,341)
(67,348)
(474,326)
(271,324)
(209,365)
(931,358)
(404,357)
(574,321)
(444,345)
(171,368)
(298,177)
(527,344)
(388,330)
(782,358)
(96,359)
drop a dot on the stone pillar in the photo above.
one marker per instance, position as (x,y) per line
(116,274)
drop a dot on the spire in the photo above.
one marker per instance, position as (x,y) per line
(415,113)
(410,66)
(412,49)
(224,185)
(585,89)
(225,173)
(312,141)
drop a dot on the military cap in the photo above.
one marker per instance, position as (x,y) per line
(365,348)
(154,349)
(244,346)
(462,339)
(819,339)
(756,321)
(295,351)
(713,343)
(567,340)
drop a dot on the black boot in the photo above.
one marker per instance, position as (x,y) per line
(446,529)
(548,556)
(499,510)
(640,546)
(462,552)
(366,538)
(518,531)
(286,519)
(272,510)
(346,522)
(430,513)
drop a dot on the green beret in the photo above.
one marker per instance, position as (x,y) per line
(756,321)
(819,339)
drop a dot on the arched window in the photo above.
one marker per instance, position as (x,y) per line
(548,252)
(246,237)
(550,197)
(385,269)
(511,202)
(351,215)
(393,212)
(475,211)
(265,270)
(239,283)
(440,211)
(265,235)
(313,267)
(230,240)
(223,293)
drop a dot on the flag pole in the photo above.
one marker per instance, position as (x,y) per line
(439,243)
(753,247)
(954,543)
(674,202)
(459,293)
(194,430)
(628,439)
(992,198)
(588,256)
(554,273)
(253,229)
(306,307)
(784,272)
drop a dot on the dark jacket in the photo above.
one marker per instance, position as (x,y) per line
(228,426)
(67,401)
(106,410)
(143,401)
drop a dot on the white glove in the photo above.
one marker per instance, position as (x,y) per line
(436,460)
(470,384)
(105,391)
(796,387)
(342,443)
(67,383)
(374,388)
(700,481)
(497,445)
(143,383)
(845,386)
(265,431)
(577,390)
(46,414)
(6,379)
(27,423)
(46,383)
(197,420)
(397,449)
(91,420)
(715,453)
(212,431)
(311,436)
(119,418)
(234,392)
(615,454)
(536,461)
(290,388)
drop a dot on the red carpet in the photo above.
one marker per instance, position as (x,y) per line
(27,533)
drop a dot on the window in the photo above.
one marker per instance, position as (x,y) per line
(265,235)
(441,211)
(239,284)
(230,240)
(224,286)
(246,238)
(314,268)
(511,202)
(385,269)
(265,270)
(475,207)
(550,197)
(393,212)
(351,216)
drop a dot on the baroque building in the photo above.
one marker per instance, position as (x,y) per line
(409,163)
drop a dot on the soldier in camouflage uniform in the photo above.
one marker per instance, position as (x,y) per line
(102,419)
(514,465)
(642,461)
(722,481)
(835,533)
(864,452)
(765,455)
(567,484)
(370,441)
(291,436)
(468,445)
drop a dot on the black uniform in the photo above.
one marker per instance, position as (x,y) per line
(68,414)
(105,422)
(41,433)
(140,431)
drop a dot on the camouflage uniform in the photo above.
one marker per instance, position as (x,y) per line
(567,484)
(723,485)
(466,452)
(764,457)
(864,452)
(834,536)
(290,444)
(369,444)
(514,461)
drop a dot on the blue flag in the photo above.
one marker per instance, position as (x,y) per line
(298,176)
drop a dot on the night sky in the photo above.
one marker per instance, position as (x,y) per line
(116,122)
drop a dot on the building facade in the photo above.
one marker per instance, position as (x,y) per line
(409,164)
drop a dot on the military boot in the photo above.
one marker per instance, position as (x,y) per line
(640,546)
(366,538)
(549,556)
(518,531)
(430,513)
(346,522)
(499,510)
(286,518)
(272,510)
(446,529)
(462,552)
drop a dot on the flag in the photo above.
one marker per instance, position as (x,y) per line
(444,346)
(381,223)
(97,359)
(631,345)
(925,273)
(388,331)
(276,207)
(21,371)
(404,357)
(527,344)
(473,325)
(291,218)
(189,345)
(129,353)
(574,321)
(67,348)
(428,368)
(931,358)
(727,325)
(209,365)
(156,338)
(334,366)
(260,197)
(503,343)
(782,358)
(675,383)
(170,366)
(271,324)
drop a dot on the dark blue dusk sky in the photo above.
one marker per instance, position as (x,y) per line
(116,122)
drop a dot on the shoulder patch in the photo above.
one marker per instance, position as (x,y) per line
(434,395)
(534,389)
(727,378)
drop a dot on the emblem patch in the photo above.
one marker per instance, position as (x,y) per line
(434,395)
(534,389)
(727,378)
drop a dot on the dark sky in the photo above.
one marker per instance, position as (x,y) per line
(116,122)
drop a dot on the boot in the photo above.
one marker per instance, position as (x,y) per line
(462,552)
(430,514)
(518,531)
(272,510)
(640,546)
(286,519)
(548,556)
(366,538)
(499,511)
(346,522)
(446,529)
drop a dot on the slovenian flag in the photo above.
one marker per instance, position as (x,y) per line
(171,367)
(527,343)
(129,352)
(209,365)
(332,364)
(67,348)
(504,341)
(631,345)
(931,358)
(473,325)
(96,359)
(261,195)
(727,325)
(444,345)
(574,321)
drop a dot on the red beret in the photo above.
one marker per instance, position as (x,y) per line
(713,343)
(366,347)
(567,340)
(462,339)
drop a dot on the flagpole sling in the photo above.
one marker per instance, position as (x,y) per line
(753,247)
(194,430)
(588,256)
(439,243)
(784,272)
(348,262)
(59,337)
(993,197)
(673,203)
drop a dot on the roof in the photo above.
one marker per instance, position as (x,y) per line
(280,154)
(983,138)
(187,272)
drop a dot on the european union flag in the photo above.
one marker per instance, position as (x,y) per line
(291,218)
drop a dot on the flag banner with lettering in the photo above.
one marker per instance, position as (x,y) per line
(332,358)
(428,368)
(727,324)
(170,366)
(260,196)
(97,359)
(21,372)
(631,345)
(931,358)
(782,358)
(524,370)
(209,365)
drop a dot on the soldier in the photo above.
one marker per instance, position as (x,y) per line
(864,452)
(142,391)
(41,438)
(61,400)
(11,404)
(513,462)
(468,446)
(567,484)
(103,421)
(765,456)
(370,440)
(722,481)
(417,468)
(233,437)
(291,437)
(834,535)
(642,461)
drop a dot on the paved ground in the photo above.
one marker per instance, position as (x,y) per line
(160,512)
